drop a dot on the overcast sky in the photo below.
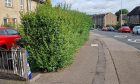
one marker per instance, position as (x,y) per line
(99,6)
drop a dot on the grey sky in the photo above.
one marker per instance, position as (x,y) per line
(99,6)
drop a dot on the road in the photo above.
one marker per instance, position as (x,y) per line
(128,38)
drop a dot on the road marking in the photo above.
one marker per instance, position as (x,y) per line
(134,40)
(94,45)
(120,36)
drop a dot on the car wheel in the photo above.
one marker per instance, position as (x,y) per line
(132,32)
(137,32)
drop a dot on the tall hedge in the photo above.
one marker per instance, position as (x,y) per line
(52,35)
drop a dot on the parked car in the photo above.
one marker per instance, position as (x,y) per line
(110,29)
(104,29)
(125,29)
(136,30)
(8,38)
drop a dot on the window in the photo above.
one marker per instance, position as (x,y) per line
(11,32)
(14,20)
(137,16)
(8,3)
(21,4)
(5,21)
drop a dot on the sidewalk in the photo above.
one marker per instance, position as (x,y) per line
(126,60)
(101,60)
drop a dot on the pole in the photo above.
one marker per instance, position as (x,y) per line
(95,21)
(121,13)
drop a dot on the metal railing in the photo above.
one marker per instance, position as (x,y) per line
(13,63)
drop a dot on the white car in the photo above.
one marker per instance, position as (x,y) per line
(139,31)
(136,30)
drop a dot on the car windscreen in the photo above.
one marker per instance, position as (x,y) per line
(111,28)
(138,27)
(11,32)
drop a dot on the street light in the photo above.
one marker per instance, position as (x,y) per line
(95,21)
(121,13)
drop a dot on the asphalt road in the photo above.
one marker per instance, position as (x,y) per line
(128,38)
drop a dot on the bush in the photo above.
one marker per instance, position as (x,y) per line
(133,25)
(116,26)
(52,36)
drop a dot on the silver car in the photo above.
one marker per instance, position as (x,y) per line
(136,30)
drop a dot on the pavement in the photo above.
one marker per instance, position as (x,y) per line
(101,60)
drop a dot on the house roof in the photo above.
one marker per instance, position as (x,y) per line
(102,14)
(135,11)
(98,14)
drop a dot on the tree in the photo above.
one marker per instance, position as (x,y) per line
(118,13)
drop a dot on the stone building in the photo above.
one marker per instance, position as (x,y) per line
(10,10)
(103,20)
(134,16)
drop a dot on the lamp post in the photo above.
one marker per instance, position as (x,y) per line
(95,21)
(121,13)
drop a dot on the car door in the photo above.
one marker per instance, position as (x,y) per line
(138,30)
(3,37)
(12,35)
(135,30)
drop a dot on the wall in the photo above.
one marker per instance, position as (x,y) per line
(13,12)
(134,19)
(111,19)
(99,20)
(105,19)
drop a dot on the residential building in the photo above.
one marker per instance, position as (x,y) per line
(134,16)
(10,10)
(103,20)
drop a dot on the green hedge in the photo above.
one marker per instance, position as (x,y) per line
(52,35)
